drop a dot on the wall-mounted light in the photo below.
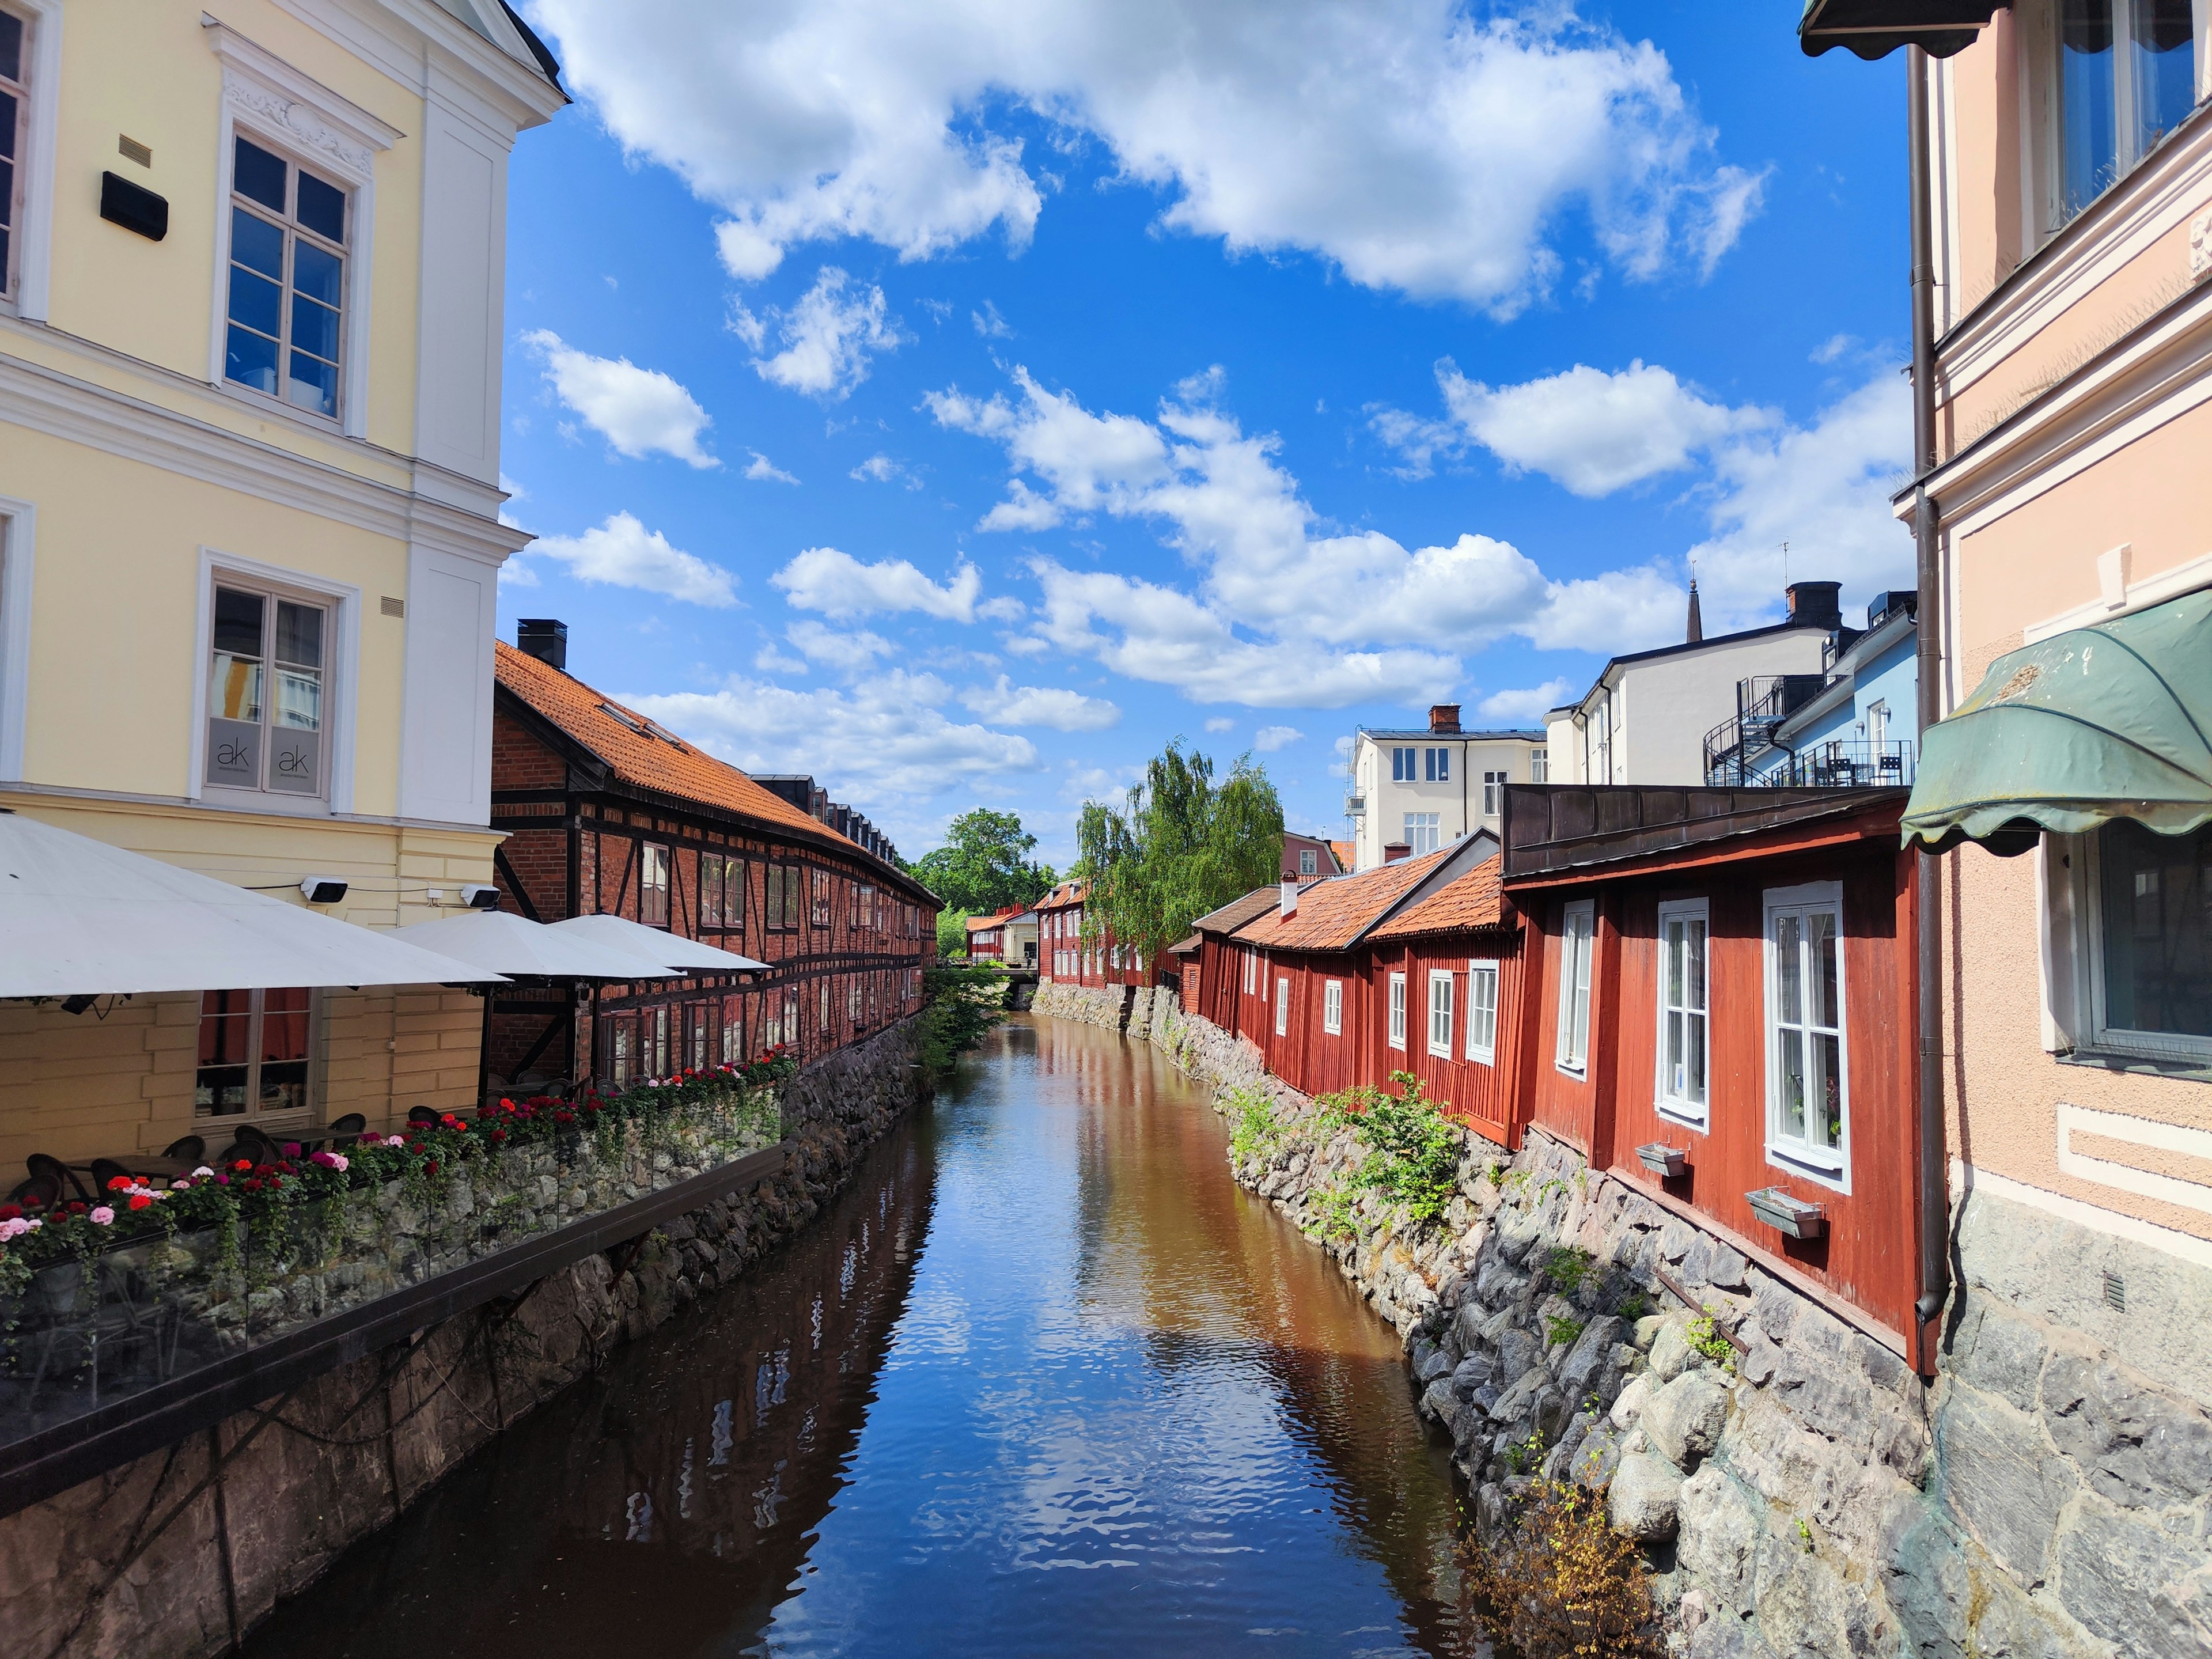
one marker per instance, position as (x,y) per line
(322,890)
(77,1004)
(477,897)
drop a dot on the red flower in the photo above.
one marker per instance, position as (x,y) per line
(243,1163)
(116,1183)
(499,1134)
(430,1166)
(141,1201)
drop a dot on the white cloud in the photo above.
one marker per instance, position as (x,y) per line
(882,469)
(1526,707)
(1833,348)
(623,553)
(1041,705)
(773,659)
(1221,723)
(839,585)
(513,492)
(851,649)
(1006,608)
(638,411)
(989,324)
(762,470)
(885,737)
(1419,442)
(1592,431)
(1438,154)
(827,337)
(1269,738)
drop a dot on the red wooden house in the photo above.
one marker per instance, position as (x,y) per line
(1066,957)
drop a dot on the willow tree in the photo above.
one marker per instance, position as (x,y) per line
(1181,845)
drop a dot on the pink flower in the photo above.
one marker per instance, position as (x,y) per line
(102,1216)
(180,1184)
(395,1141)
(330,1160)
(15,1227)
(202,1173)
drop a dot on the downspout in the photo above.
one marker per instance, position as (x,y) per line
(1934,1159)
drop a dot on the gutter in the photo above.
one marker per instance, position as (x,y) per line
(1935,1206)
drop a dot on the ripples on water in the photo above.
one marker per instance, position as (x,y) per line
(1041,1380)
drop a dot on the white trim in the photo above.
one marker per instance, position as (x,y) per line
(1332,1007)
(1688,1114)
(1450,1009)
(19,523)
(1562,1020)
(1477,967)
(2133,596)
(344,672)
(2089,877)
(2187,1247)
(2137,1132)
(1817,1164)
(1394,1031)
(1282,1004)
(35,235)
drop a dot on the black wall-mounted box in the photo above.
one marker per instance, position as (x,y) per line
(134,207)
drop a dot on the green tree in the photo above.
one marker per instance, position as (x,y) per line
(984,864)
(1180,846)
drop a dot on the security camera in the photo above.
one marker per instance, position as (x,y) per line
(322,890)
(479,897)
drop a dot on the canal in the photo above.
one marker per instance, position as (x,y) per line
(1041,1380)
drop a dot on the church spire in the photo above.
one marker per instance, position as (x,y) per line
(1697,623)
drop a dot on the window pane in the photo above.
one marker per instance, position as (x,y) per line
(299,634)
(234,752)
(1820,934)
(234,688)
(2085,98)
(226,1033)
(319,275)
(2164,48)
(299,699)
(257,175)
(238,617)
(1791,1061)
(249,359)
(8,146)
(314,328)
(258,245)
(313,383)
(1694,976)
(11,46)
(1788,965)
(1695,1063)
(1674,964)
(295,762)
(255,301)
(1828,1092)
(322,207)
(2158,930)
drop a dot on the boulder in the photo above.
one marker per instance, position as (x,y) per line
(1683,1419)
(1588,1363)
(1671,1353)
(1643,1498)
(1628,1404)
(1471,1373)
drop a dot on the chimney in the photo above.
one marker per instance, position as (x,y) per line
(1815,605)
(544,639)
(1290,901)
(1397,851)
(1697,631)
(1443,719)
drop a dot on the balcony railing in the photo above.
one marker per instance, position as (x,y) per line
(1844,764)
(1762,703)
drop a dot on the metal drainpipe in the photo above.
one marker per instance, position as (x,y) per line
(1934,1158)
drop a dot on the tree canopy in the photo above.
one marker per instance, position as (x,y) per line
(984,864)
(1180,846)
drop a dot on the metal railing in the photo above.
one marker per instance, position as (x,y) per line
(1762,703)
(1841,764)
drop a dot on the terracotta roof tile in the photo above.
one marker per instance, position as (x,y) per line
(1475,899)
(624,740)
(1239,911)
(1332,914)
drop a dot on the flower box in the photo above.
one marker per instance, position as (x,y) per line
(1788,1214)
(1664,1161)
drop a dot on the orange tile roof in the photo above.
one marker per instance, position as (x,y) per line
(1238,911)
(979,924)
(1475,899)
(1067,893)
(1332,914)
(638,757)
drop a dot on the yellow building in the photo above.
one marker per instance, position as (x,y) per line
(250,343)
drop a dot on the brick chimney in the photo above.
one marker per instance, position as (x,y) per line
(543,638)
(1290,896)
(1397,851)
(1815,605)
(1443,719)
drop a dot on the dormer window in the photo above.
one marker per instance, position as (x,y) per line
(288,280)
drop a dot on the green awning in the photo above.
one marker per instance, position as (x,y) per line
(2109,721)
(1874,28)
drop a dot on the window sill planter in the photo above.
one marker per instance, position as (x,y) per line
(1668,1162)
(1788,1213)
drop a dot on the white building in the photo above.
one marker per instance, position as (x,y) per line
(1428,787)
(1651,715)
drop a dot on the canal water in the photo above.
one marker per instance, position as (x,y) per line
(1042,1380)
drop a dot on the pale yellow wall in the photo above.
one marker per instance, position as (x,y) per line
(143,68)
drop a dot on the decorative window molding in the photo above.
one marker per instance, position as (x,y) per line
(1282,1005)
(18,538)
(267,98)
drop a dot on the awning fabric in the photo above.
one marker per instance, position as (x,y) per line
(81,918)
(637,939)
(2109,721)
(1874,28)
(517,946)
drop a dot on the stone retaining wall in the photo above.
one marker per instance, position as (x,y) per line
(1801,1491)
(1086,1004)
(178,1554)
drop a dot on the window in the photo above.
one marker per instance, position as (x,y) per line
(1332,1006)
(821,909)
(1577,922)
(853,998)
(734,1030)
(267,713)
(253,1053)
(288,258)
(1681,1089)
(699,1019)
(2151,971)
(1405,765)
(1482,1011)
(14,125)
(733,893)
(657,1028)
(2126,76)
(1877,728)
(1493,794)
(1439,766)
(1397,1010)
(653,885)
(783,886)
(1807,1079)
(1539,766)
(1309,862)
(1282,1007)
(1251,972)
(1440,1012)
(792,1037)
(1422,834)
(622,1050)
(822,991)
(710,890)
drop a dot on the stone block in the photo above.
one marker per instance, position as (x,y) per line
(1648,1329)
(1517,1350)
(1433,1364)
(2001,1481)
(2136,1445)
(1644,1497)
(1676,1240)
(1596,1458)
(1683,1419)
(1671,1353)
(1628,1404)
(1471,1373)
(1711,1262)
(2131,1584)
(1721,1531)
(1587,1369)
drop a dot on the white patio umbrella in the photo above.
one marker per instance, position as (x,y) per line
(81,918)
(515,945)
(620,934)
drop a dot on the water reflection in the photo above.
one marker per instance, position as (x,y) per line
(1041,1381)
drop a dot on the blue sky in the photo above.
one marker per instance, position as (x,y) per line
(958,402)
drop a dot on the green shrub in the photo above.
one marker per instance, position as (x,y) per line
(1560,1332)
(1569,1267)
(1559,1582)
(1257,1136)
(1413,1149)
(1633,1306)
(1331,1214)
(961,1003)
(1705,1339)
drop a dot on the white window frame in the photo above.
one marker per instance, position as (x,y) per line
(1309,862)
(18,524)
(1332,1006)
(1540,765)
(34,232)
(300,1116)
(2087,857)
(276,106)
(1251,971)
(1402,761)
(1575,975)
(340,687)
(1674,1108)
(1282,1004)
(1442,1011)
(1816,1163)
(1430,822)
(1493,792)
(1481,971)
(1397,1028)
(1435,766)
(666,887)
